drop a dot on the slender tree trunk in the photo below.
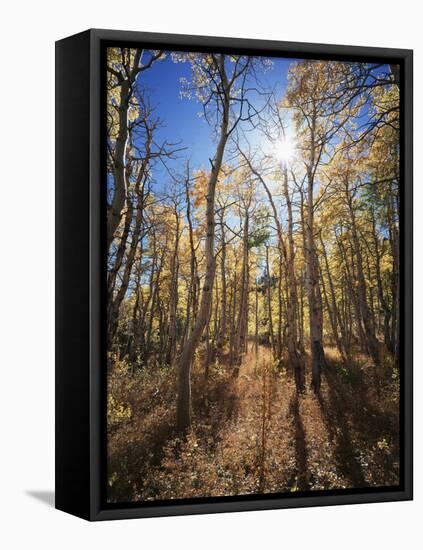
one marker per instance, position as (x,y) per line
(395,277)
(372,342)
(256,332)
(145,353)
(173,303)
(381,295)
(351,298)
(115,304)
(120,250)
(314,301)
(191,309)
(301,315)
(223,303)
(292,338)
(120,192)
(239,344)
(126,82)
(183,414)
(269,305)
(333,310)
(280,330)
(232,310)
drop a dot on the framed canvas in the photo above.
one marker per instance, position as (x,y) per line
(233,274)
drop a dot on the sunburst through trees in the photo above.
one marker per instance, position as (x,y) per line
(252,275)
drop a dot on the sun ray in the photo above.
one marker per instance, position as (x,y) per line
(283,150)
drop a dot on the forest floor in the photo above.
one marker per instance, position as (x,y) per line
(252,433)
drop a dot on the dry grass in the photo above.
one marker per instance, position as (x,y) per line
(252,434)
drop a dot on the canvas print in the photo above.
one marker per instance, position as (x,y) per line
(252,269)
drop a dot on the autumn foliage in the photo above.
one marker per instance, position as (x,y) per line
(253,299)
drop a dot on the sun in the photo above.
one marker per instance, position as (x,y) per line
(283,150)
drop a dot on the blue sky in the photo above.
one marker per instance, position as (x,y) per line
(180,115)
(180,120)
(181,123)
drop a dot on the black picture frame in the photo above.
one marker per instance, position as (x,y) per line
(80,303)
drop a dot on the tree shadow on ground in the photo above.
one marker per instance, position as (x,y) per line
(299,479)
(374,421)
(335,411)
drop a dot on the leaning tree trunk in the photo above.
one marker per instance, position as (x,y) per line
(114,214)
(183,414)
(126,82)
(115,304)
